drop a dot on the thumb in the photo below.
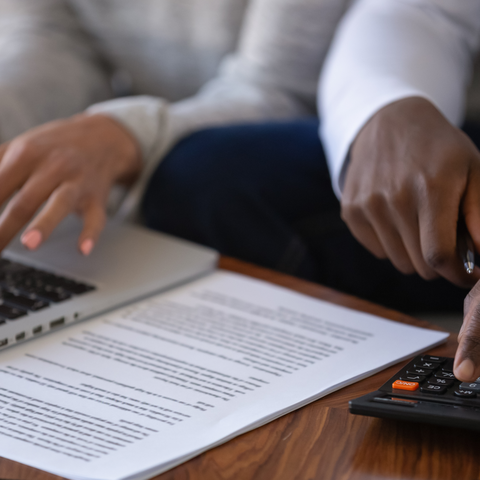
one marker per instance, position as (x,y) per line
(467,358)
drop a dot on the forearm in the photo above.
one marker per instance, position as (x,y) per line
(387,50)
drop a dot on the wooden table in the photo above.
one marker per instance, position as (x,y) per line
(322,440)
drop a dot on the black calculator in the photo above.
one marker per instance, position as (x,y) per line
(425,390)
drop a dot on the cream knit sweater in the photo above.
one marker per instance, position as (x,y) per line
(186,64)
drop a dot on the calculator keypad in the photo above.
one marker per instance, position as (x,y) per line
(432,377)
(426,395)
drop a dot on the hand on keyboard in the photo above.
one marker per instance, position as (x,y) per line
(68,165)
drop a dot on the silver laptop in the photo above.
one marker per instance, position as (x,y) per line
(56,286)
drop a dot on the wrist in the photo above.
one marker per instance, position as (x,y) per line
(124,148)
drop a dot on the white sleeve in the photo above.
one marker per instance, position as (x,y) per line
(273,75)
(48,69)
(386,50)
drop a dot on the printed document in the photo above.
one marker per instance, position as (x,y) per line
(137,391)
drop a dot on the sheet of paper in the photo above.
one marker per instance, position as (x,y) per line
(139,390)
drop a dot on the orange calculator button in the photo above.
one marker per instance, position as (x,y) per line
(401,385)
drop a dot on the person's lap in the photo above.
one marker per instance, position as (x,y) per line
(262,193)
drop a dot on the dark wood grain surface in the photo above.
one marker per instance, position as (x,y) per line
(322,440)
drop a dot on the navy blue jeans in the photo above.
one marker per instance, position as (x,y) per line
(262,193)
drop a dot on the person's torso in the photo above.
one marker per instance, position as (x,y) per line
(169,48)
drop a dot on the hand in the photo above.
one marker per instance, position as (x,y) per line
(467,358)
(410,175)
(70,165)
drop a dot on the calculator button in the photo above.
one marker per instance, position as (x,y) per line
(443,374)
(413,378)
(419,371)
(432,358)
(402,385)
(470,386)
(438,389)
(448,365)
(441,381)
(465,393)
(428,365)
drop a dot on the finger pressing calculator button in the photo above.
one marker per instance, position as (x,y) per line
(427,365)
(443,374)
(470,386)
(403,385)
(438,389)
(413,378)
(440,381)
(465,393)
(432,358)
(419,371)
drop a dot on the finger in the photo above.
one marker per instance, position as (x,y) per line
(393,245)
(467,358)
(60,203)
(3,149)
(361,229)
(94,219)
(409,230)
(379,216)
(15,167)
(438,218)
(23,205)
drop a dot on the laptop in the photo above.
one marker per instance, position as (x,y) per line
(56,286)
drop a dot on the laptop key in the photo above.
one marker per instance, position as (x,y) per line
(50,294)
(27,288)
(22,301)
(71,286)
(11,313)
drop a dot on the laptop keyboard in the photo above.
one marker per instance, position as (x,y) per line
(25,289)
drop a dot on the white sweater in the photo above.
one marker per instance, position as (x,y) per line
(189,64)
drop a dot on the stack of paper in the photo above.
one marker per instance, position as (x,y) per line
(140,390)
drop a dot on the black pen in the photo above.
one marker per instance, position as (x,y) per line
(465,246)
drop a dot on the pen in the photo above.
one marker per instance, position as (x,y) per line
(465,246)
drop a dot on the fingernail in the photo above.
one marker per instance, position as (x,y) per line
(32,239)
(86,247)
(465,370)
